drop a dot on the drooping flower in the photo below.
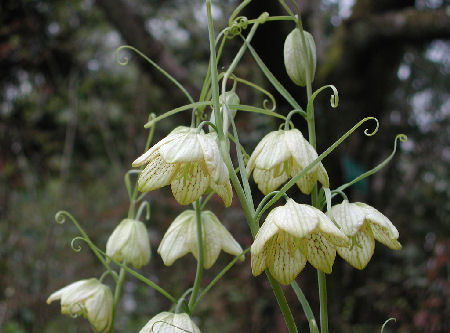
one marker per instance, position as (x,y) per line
(168,322)
(296,59)
(281,155)
(190,162)
(291,235)
(129,242)
(181,238)
(89,298)
(363,224)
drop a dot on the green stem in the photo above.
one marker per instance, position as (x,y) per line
(284,307)
(217,278)
(199,273)
(312,140)
(304,302)
(321,280)
(117,292)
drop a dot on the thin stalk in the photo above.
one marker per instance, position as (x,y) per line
(199,273)
(284,307)
(312,140)
(322,282)
(303,301)
(117,292)
(217,278)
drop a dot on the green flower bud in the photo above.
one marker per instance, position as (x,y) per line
(296,58)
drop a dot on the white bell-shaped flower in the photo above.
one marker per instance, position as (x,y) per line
(129,242)
(168,322)
(280,156)
(363,224)
(190,161)
(181,238)
(291,235)
(89,298)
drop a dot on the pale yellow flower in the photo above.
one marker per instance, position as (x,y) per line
(129,242)
(89,298)
(190,162)
(168,322)
(291,235)
(364,224)
(181,238)
(281,155)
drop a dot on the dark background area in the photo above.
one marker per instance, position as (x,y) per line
(71,123)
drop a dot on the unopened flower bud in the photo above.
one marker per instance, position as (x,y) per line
(297,58)
(129,242)
(168,322)
(226,99)
(89,298)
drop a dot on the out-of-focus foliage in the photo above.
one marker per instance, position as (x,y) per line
(71,123)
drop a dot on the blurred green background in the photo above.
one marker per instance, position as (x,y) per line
(71,123)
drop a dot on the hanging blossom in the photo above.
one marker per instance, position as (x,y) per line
(168,322)
(129,242)
(281,155)
(363,224)
(290,236)
(89,298)
(181,238)
(190,161)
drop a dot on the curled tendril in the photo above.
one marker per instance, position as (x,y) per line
(385,323)
(399,137)
(375,130)
(170,324)
(60,217)
(74,246)
(239,24)
(125,60)
(334,99)
(266,102)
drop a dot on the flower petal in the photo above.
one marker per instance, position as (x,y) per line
(267,230)
(331,232)
(150,154)
(300,149)
(321,252)
(185,148)
(349,216)
(258,262)
(283,258)
(359,256)
(156,174)
(182,323)
(212,157)
(322,176)
(224,191)
(269,180)
(382,235)
(226,240)
(296,219)
(274,151)
(190,184)
(177,239)
(211,242)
